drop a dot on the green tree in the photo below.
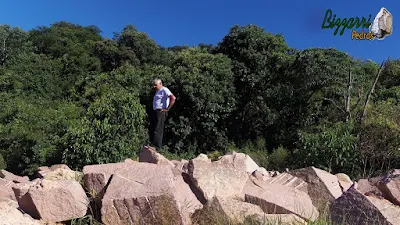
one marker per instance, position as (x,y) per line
(111,131)
(37,76)
(330,146)
(203,85)
(13,42)
(30,130)
(72,45)
(380,139)
(254,54)
(139,44)
(112,55)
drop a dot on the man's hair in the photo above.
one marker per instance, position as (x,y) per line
(158,80)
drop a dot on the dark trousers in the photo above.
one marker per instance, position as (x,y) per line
(157,128)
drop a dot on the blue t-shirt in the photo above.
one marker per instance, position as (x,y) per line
(161,100)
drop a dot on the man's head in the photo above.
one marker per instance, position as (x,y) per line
(157,83)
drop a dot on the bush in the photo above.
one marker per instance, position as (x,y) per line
(279,159)
(203,85)
(257,150)
(3,164)
(112,131)
(329,146)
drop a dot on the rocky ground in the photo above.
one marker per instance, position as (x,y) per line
(155,190)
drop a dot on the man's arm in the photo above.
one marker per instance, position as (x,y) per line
(172,99)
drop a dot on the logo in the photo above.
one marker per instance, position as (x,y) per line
(362,28)
(382,25)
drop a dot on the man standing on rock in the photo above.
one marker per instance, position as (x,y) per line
(162,103)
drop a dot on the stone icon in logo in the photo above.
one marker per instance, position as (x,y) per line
(382,25)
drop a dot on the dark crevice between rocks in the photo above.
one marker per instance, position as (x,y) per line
(96,202)
(199,194)
(26,205)
(387,194)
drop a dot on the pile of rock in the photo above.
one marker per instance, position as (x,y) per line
(156,190)
(56,197)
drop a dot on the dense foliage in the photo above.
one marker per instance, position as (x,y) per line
(68,95)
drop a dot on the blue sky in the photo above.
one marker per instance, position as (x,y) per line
(178,22)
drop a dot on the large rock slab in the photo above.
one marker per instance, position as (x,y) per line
(59,166)
(344,181)
(369,186)
(43,171)
(241,160)
(6,189)
(355,208)
(181,165)
(238,211)
(278,199)
(232,209)
(58,172)
(323,187)
(188,198)
(63,174)
(52,201)
(96,177)
(284,179)
(261,173)
(223,178)
(390,187)
(150,194)
(150,155)
(10,215)
(12,177)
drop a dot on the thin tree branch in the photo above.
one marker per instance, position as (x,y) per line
(364,112)
(333,102)
(347,102)
(358,101)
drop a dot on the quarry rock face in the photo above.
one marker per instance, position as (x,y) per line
(322,186)
(355,208)
(10,215)
(96,177)
(6,189)
(240,160)
(156,190)
(14,178)
(223,178)
(137,193)
(344,181)
(276,198)
(231,208)
(53,201)
(390,187)
(150,155)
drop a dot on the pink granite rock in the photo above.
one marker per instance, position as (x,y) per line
(323,187)
(355,208)
(279,199)
(53,201)
(148,193)
(11,177)
(150,155)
